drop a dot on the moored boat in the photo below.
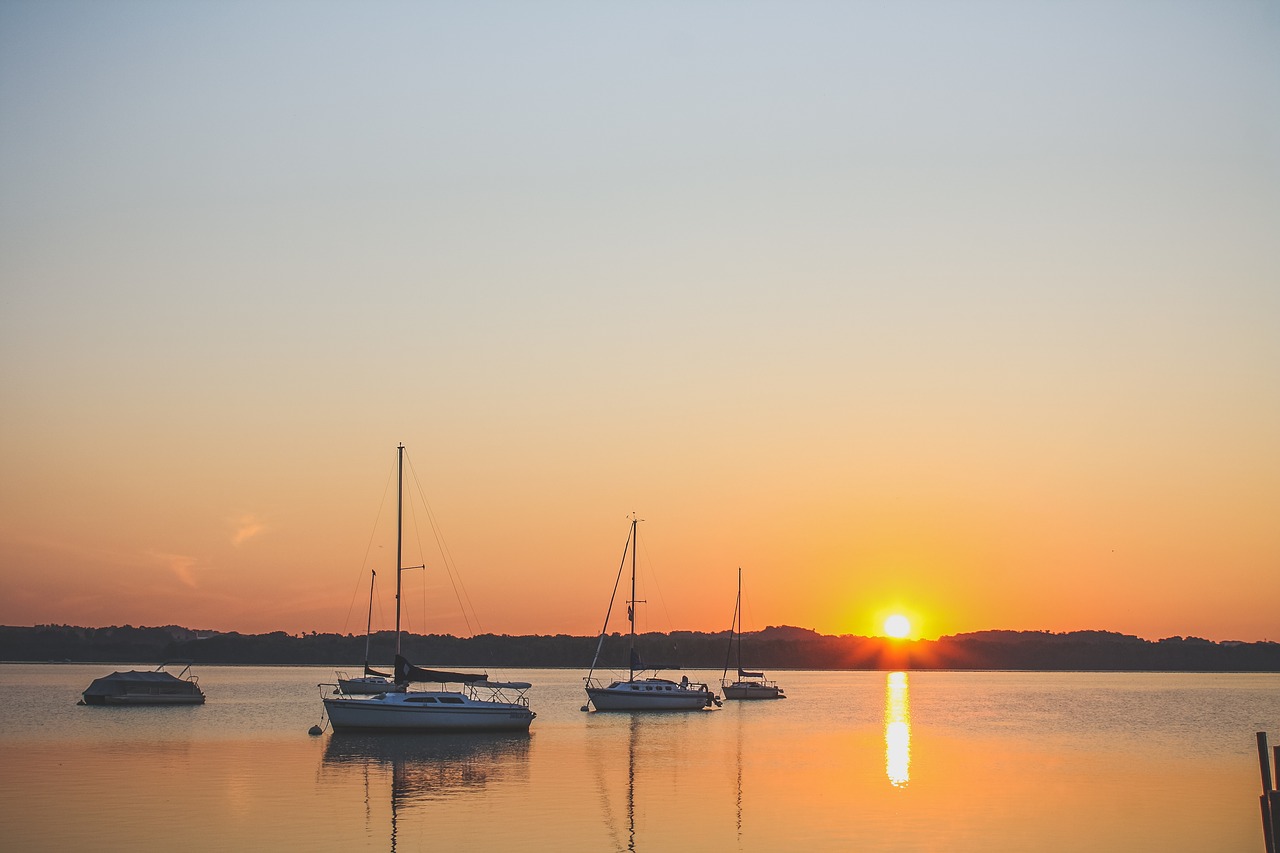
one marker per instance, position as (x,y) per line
(481,704)
(373,681)
(749,685)
(501,707)
(151,687)
(643,694)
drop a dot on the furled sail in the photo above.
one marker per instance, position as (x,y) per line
(407,672)
(368,670)
(742,673)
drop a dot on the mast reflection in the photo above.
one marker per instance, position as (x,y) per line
(897,730)
(427,767)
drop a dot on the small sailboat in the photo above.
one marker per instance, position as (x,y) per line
(501,707)
(749,685)
(373,681)
(641,694)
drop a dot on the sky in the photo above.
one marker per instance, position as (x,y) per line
(965,311)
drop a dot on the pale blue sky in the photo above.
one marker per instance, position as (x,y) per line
(923,253)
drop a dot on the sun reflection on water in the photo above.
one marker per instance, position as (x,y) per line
(897,730)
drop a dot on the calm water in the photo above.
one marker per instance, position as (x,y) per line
(852,761)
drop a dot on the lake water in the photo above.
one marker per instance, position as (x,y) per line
(867,761)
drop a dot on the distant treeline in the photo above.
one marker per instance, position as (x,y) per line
(772,648)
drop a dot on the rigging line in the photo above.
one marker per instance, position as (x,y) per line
(455,576)
(737,602)
(451,568)
(605,628)
(469,611)
(661,599)
(364,564)
(417,534)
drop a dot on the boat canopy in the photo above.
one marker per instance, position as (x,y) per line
(119,682)
(742,673)
(407,672)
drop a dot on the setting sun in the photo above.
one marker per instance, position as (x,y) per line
(897,626)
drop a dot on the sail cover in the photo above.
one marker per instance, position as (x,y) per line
(368,670)
(406,672)
(742,673)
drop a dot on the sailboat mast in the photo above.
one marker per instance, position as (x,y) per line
(737,612)
(368,625)
(399,531)
(631,610)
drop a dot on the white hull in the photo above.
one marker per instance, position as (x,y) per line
(654,694)
(426,712)
(750,690)
(368,686)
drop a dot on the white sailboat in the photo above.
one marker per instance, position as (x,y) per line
(641,694)
(749,685)
(372,681)
(501,707)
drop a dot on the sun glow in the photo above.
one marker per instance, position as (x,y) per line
(897,626)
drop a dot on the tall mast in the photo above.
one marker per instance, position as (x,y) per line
(399,524)
(737,612)
(631,611)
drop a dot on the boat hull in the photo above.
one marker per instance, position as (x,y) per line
(145,699)
(648,696)
(392,713)
(753,691)
(370,686)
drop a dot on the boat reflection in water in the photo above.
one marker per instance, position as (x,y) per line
(427,767)
(897,730)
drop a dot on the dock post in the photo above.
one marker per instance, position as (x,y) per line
(1264,762)
(1268,800)
(1268,833)
(1275,801)
(1275,816)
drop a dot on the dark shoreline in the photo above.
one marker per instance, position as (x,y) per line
(772,648)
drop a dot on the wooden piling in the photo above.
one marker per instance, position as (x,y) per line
(1269,799)
(1264,762)
(1275,801)
(1275,817)
(1268,831)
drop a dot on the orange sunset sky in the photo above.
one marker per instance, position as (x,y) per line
(965,311)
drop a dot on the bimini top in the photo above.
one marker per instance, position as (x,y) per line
(133,676)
